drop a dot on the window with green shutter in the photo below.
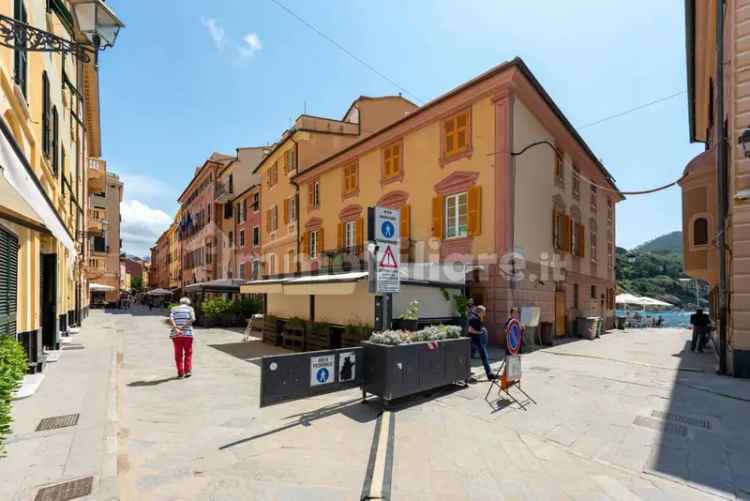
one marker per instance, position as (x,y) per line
(8,282)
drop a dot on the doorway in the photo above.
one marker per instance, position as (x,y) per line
(48,292)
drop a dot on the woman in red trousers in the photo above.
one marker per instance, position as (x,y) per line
(182,317)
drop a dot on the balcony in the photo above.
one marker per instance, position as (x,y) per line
(96,223)
(96,267)
(97,175)
(223,192)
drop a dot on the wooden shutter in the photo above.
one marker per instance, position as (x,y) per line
(581,243)
(304,239)
(437,217)
(268,221)
(321,242)
(310,189)
(286,211)
(555,229)
(405,223)
(360,231)
(340,236)
(568,233)
(475,211)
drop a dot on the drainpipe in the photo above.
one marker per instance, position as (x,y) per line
(721,186)
(296,199)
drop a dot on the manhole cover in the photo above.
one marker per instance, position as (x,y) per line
(678,418)
(68,490)
(52,423)
(663,426)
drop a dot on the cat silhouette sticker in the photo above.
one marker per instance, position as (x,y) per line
(347,369)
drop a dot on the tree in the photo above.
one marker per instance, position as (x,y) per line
(136,283)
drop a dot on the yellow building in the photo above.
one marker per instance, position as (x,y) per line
(310,140)
(103,242)
(490,174)
(175,254)
(49,104)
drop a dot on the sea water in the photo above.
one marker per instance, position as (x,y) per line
(671,318)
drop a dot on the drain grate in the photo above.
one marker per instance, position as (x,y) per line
(73,347)
(540,369)
(65,491)
(53,423)
(679,418)
(663,426)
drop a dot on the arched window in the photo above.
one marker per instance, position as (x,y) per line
(700,231)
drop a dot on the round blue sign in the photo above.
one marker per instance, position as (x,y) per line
(387,229)
(514,334)
(322,375)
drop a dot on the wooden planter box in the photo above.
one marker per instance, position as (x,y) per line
(352,340)
(397,371)
(294,337)
(323,339)
(272,329)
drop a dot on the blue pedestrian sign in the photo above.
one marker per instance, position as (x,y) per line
(322,370)
(388,229)
(387,223)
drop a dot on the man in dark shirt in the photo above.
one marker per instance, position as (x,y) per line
(701,323)
(478,336)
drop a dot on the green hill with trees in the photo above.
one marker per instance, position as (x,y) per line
(654,269)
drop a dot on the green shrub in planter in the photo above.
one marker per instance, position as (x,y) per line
(247,307)
(295,323)
(12,370)
(216,307)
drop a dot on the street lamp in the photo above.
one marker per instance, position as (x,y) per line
(94,22)
(744,140)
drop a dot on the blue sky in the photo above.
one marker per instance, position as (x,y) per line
(190,77)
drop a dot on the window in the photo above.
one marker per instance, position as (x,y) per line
(559,169)
(231,239)
(62,171)
(350,178)
(275,218)
(272,175)
(45,115)
(456,134)
(256,201)
(594,244)
(593,292)
(55,139)
(700,231)
(594,193)
(20,55)
(575,296)
(290,210)
(256,269)
(313,194)
(562,231)
(271,264)
(392,161)
(350,235)
(244,210)
(291,264)
(314,235)
(256,236)
(610,211)
(290,160)
(576,183)
(242,270)
(610,250)
(242,238)
(456,216)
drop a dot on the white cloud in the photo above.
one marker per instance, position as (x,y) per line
(216,31)
(251,45)
(149,189)
(141,226)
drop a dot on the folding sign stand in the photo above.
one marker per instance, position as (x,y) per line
(504,384)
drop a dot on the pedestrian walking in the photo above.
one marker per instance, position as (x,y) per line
(701,323)
(478,335)
(182,317)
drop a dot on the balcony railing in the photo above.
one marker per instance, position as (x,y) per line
(223,192)
(96,220)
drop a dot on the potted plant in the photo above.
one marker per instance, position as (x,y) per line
(354,334)
(400,363)
(408,319)
(294,334)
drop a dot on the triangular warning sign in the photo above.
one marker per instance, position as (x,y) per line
(389,260)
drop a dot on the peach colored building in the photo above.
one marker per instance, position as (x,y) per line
(476,178)
(308,141)
(702,224)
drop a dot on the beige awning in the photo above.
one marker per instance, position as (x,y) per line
(320,289)
(262,287)
(15,208)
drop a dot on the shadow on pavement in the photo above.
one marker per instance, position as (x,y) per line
(353,409)
(249,351)
(152,382)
